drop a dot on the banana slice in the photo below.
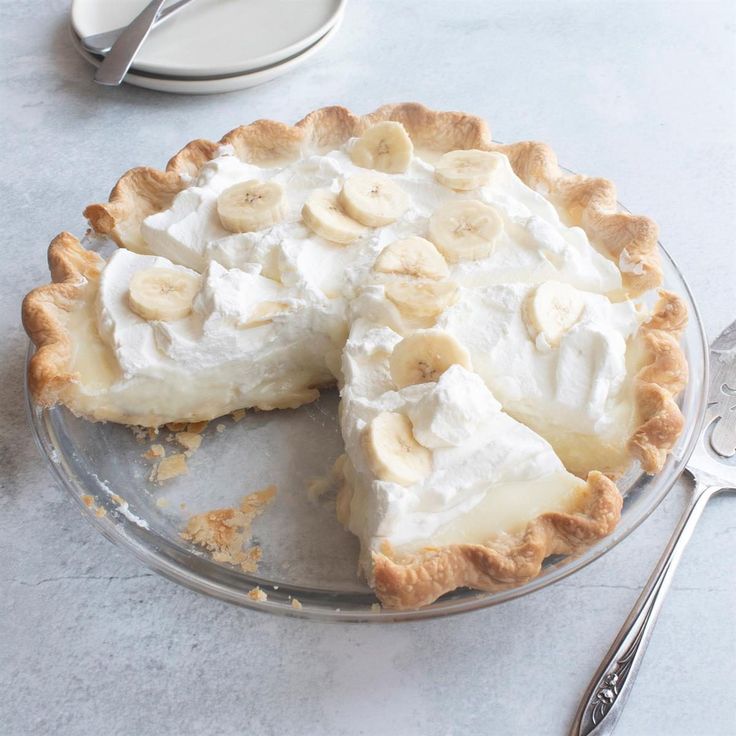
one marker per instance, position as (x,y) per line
(385,146)
(264,312)
(422,299)
(322,214)
(373,199)
(466,169)
(424,356)
(393,453)
(465,230)
(413,256)
(251,205)
(552,309)
(163,293)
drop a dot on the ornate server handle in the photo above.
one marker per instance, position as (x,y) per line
(603,702)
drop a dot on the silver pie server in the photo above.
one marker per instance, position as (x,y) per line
(113,69)
(713,468)
(101,43)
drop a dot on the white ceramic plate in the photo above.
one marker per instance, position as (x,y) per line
(215,84)
(216,37)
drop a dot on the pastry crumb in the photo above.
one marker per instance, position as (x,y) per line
(117,499)
(168,468)
(197,427)
(162,503)
(257,594)
(238,414)
(143,434)
(89,502)
(253,556)
(317,487)
(154,452)
(183,506)
(220,427)
(296,603)
(225,532)
(375,607)
(190,441)
(320,486)
(138,432)
(176,426)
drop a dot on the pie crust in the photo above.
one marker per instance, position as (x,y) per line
(584,201)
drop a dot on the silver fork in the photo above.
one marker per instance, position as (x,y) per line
(709,465)
(101,43)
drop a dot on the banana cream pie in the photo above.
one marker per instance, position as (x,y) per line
(491,322)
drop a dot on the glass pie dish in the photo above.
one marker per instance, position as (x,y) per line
(307,555)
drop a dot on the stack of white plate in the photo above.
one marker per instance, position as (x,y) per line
(215,45)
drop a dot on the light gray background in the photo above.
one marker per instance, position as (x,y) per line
(91,643)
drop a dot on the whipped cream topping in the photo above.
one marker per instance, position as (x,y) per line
(218,358)
(453,411)
(579,385)
(535,245)
(490,430)
(482,459)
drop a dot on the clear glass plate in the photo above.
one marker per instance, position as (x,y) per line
(306,553)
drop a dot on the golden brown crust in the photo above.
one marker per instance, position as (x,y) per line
(421,579)
(44,311)
(656,385)
(630,240)
(139,193)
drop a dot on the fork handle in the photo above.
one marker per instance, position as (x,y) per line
(604,700)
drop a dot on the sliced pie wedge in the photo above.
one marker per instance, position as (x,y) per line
(456,492)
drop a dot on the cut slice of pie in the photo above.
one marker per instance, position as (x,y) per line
(506,353)
(442,487)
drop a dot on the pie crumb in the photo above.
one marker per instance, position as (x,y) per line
(89,502)
(117,499)
(162,503)
(257,594)
(238,414)
(296,603)
(197,427)
(168,468)
(225,532)
(220,427)
(189,440)
(176,426)
(252,558)
(317,487)
(375,607)
(138,432)
(154,452)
